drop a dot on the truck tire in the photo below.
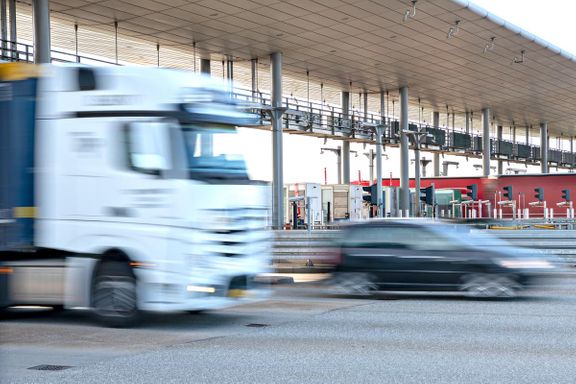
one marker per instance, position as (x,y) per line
(114,295)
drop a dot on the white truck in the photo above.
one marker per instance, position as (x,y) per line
(124,190)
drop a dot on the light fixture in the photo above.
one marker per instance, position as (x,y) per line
(520,60)
(410,12)
(453,30)
(489,45)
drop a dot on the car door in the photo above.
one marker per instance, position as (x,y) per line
(383,250)
(435,261)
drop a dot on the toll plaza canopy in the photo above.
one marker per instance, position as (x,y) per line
(447,52)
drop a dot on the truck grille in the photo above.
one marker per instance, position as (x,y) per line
(236,232)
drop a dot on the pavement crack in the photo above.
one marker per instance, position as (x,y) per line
(346,307)
(200,340)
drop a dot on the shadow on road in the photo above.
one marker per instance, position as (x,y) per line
(153,321)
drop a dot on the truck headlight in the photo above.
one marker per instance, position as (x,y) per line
(200,289)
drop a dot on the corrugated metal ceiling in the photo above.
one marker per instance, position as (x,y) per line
(365,43)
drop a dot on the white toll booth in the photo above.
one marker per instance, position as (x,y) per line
(303,197)
(342,202)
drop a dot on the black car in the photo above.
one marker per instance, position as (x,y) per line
(422,256)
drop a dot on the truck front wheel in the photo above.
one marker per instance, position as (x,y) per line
(114,295)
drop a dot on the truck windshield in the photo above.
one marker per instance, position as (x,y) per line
(214,152)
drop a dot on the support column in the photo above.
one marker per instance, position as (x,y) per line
(205,66)
(41,16)
(417,175)
(365,106)
(436,124)
(229,69)
(486,142)
(544,147)
(371,156)
(346,143)
(254,74)
(207,142)
(278,169)
(573,165)
(404,153)
(499,139)
(13,37)
(3,29)
(379,133)
(230,74)
(339,163)
(467,117)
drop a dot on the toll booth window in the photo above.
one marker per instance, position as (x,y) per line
(148,146)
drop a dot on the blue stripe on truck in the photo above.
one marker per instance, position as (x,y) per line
(17,142)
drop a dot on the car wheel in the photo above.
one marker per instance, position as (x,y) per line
(356,283)
(114,296)
(485,285)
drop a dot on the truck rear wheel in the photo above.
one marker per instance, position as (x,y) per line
(114,295)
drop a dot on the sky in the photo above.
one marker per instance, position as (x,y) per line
(551,20)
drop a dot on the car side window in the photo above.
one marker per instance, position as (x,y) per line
(378,237)
(426,240)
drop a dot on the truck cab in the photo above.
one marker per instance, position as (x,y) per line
(125,189)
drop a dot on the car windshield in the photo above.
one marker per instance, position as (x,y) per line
(479,240)
(214,152)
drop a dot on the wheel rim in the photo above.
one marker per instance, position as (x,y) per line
(357,283)
(115,296)
(490,286)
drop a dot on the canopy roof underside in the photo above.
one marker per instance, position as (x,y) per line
(369,45)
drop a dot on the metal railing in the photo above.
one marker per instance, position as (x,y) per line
(303,251)
(327,120)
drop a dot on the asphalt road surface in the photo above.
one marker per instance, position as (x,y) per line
(304,335)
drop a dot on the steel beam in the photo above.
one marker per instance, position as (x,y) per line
(436,124)
(486,142)
(404,153)
(346,143)
(41,16)
(544,147)
(278,169)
